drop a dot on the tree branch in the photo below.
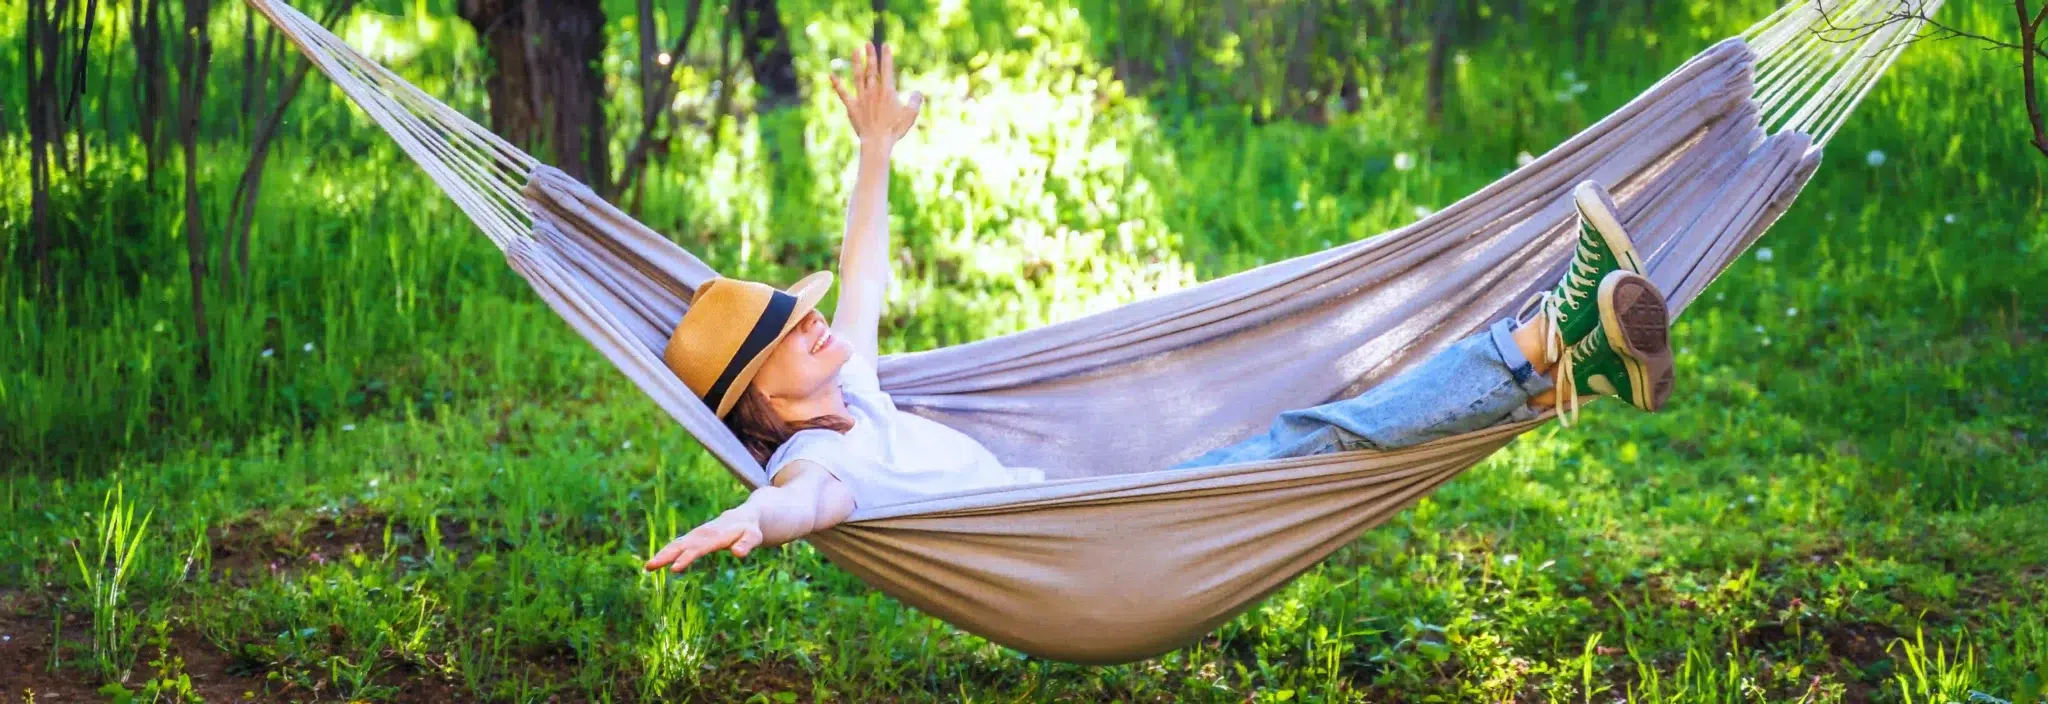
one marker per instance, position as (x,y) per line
(664,90)
(2029,46)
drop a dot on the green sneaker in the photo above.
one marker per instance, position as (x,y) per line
(1629,354)
(1603,247)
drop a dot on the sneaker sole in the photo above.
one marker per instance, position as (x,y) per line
(1598,209)
(1638,325)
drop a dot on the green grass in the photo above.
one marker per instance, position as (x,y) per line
(430,488)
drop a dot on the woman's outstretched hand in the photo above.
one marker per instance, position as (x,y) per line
(738,530)
(878,115)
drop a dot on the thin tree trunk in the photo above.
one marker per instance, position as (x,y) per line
(1440,58)
(764,42)
(660,90)
(198,50)
(155,87)
(1582,21)
(2029,47)
(249,80)
(242,208)
(881,8)
(83,57)
(50,83)
(723,106)
(35,101)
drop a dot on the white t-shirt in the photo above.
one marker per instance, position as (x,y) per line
(890,456)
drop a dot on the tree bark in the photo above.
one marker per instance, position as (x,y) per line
(764,43)
(155,86)
(1439,59)
(881,8)
(242,209)
(36,104)
(2029,48)
(543,86)
(198,52)
(661,88)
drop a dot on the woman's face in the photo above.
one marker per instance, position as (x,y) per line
(804,363)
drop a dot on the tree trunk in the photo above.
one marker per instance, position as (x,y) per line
(155,86)
(2030,29)
(764,43)
(660,88)
(192,86)
(36,104)
(881,8)
(53,47)
(82,63)
(543,85)
(1440,58)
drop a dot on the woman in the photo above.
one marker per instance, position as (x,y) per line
(802,394)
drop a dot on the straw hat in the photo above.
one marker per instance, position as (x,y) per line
(728,330)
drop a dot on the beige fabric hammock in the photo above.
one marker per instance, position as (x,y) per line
(1113,559)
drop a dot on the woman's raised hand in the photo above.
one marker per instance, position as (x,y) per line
(878,115)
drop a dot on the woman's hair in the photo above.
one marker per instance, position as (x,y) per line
(763,432)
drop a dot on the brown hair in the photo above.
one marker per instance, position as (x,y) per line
(763,432)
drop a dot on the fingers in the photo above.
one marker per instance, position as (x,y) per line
(840,88)
(916,100)
(888,70)
(860,68)
(667,555)
(679,553)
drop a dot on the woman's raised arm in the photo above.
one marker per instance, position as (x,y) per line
(880,118)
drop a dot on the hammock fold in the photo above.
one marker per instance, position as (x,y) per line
(1113,559)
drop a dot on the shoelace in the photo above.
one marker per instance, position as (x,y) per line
(1549,305)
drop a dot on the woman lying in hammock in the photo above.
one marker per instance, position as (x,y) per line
(803,396)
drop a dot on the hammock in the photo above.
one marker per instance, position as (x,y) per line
(1112,559)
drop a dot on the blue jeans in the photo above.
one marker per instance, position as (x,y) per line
(1481,381)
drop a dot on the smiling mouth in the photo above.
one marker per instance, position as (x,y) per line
(822,340)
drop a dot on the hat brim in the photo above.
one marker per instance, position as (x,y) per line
(808,292)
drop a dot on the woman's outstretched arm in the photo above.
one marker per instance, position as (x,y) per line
(880,118)
(805,499)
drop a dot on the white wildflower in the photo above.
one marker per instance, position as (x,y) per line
(1524,159)
(1298,205)
(1510,559)
(309,347)
(373,482)
(1751,499)
(1949,218)
(1461,58)
(1792,312)
(1764,254)
(1423,211)
(1403,161)
(1683,351)
(627,445)
(348,427)
(663,58)
(1579,87)
(1874,158)
(838,65)
(267,352)
(1759,329)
